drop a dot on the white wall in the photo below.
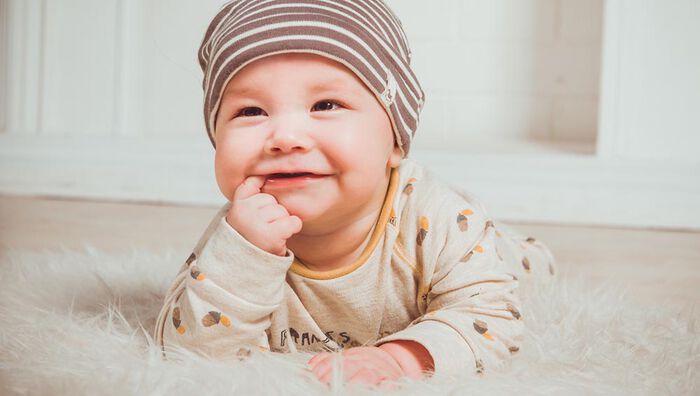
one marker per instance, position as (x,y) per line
(506,68)
(551,110)
(107,68)
(652,98)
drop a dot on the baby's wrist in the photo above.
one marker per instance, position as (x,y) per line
(413,358)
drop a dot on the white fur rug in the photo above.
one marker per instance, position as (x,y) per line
(81,322)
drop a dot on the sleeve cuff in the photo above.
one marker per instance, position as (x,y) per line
(249,271)
(451,355)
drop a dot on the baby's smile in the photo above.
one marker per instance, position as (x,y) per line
(291,180)
(291,176)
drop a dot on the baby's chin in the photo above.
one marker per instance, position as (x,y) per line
(311,211)
(304,208)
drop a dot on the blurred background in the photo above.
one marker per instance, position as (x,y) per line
(554,111)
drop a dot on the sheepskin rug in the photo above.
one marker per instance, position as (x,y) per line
(80,322)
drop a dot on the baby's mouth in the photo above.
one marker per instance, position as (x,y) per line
(289,175)
(291,179)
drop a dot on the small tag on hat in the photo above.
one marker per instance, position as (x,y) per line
(389,93)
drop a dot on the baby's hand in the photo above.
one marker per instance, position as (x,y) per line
(367,365)
(260,219)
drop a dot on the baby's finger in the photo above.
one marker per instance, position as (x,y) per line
(262,200)
(328,372)
(317,359)
(287,226)
(365,376)
(388,385)
(271,213)
(325,364)
(326,377)
(250,186)
(325,369)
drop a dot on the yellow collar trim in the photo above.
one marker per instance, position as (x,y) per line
(299,269)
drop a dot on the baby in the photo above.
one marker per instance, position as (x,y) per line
(333,241)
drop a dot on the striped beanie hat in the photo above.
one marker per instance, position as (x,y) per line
(363,35)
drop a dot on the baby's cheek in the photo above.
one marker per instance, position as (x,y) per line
(225,179)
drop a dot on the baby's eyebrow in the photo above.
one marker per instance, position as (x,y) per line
(332,85)
(243,91)
(326,84)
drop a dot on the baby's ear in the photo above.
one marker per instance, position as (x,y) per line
(395,157)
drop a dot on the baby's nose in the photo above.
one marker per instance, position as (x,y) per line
(289,134)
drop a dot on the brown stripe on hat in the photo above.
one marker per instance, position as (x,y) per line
(392,26)
(345,7)
(364,35)
(204,50)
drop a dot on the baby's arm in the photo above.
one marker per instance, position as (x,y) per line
(472,318)
(226,291)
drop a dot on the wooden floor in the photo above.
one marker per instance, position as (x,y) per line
(655,265)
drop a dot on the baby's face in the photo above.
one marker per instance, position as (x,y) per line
(294,113)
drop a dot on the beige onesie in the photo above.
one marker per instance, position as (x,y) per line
(435,269)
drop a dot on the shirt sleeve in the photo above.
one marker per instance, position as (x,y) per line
(472,319)
(223,296)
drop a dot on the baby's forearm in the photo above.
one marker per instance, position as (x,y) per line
(413,358)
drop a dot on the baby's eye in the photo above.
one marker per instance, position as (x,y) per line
(325,105)
(250,112)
